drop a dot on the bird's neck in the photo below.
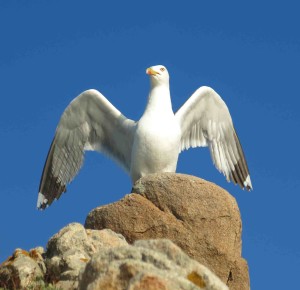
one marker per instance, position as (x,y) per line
(159,99)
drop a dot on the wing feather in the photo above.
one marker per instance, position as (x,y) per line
(205,121)
(90,122)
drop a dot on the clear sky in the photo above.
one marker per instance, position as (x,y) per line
(50,51)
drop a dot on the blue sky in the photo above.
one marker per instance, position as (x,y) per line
(249,53)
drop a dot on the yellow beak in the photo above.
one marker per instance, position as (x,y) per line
(151,71)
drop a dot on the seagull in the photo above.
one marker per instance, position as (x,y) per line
(151,145)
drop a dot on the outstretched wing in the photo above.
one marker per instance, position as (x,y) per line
(205,121)
(90,122)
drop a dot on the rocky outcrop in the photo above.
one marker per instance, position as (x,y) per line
(71,248)
(173,232)
(23,269)
(89,259)
(67,254)
(198,216)
(147,265)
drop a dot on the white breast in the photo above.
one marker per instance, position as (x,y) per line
(155,148)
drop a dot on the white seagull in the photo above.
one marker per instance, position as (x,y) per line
(91,122)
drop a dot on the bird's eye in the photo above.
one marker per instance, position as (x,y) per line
(162,69)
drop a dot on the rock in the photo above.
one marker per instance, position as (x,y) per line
(198,216)
(151,264)
(23,269)
(71,248)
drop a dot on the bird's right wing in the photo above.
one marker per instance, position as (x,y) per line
(90,122)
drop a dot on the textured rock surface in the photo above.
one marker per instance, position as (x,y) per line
(71,248)
(22,269)
(152,264)
(200,217)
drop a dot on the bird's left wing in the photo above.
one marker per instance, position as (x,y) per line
(205,120)
(90,122)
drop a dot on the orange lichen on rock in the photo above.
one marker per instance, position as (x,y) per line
(195,278)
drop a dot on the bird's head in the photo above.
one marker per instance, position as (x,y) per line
(158,75)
